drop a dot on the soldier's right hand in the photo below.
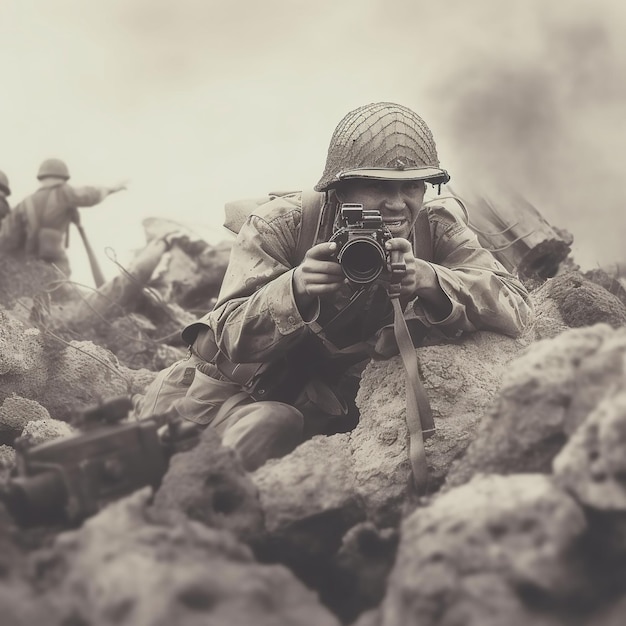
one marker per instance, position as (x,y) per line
(121,186)
(318,274)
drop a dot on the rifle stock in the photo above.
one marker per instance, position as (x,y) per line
(98,276)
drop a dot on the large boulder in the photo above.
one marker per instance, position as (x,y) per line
(498,550)
(545,395)
(592,465)
(63,377)
(573,300)
(208,484)
(315,496)
(369,466)
(121,568)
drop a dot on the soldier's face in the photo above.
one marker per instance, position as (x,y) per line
(399,202)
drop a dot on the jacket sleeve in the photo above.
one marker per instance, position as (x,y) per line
(256,317)
(82,196)
(483,294)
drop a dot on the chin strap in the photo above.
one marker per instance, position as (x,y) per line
(419,416)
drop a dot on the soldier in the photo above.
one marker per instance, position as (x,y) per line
(298,332)
(39,224)
(5,192)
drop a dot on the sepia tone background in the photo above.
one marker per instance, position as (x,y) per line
(198,102)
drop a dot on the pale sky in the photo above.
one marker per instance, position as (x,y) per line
(198,102)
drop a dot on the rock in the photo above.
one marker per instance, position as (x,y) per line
(310,501)
(122,568)
(581,302)
(499,550)
(548,319)
(41,431)
(82,375)
(545,395)
(209,485)
(357,579)
(23,359)
(19,602)
(7,457)
(62,378)
(461,380)
(609,278)
(15,414)
(592,465)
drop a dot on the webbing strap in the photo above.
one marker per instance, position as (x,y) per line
(419,417)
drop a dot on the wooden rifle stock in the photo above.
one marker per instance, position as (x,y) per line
(98,276)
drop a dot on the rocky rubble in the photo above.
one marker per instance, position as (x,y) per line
(524,521)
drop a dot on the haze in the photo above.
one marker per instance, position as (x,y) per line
(198,102)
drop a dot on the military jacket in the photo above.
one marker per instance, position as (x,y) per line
(256,318)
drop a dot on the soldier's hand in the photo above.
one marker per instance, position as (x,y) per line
(420,279)
(419,275)
(121,186)
(319,274)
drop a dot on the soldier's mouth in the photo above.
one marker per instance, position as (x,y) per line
(394,223)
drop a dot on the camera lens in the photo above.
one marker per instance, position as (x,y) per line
(362,260)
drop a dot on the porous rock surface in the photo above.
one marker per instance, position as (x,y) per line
(572,300)
(121,568)
(15,413)
(62,378)
(545,396)
(367,469)
(208,484)
(495,546)
(592,464)
(498,550)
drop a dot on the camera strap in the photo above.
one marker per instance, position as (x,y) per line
(419,417)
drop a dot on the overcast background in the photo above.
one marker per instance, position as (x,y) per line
(198,102)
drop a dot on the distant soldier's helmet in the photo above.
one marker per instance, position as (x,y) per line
(383,141)
(53,167)
(4,183)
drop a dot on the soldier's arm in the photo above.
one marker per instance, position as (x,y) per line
(256,316)
(88,195)
(483,295)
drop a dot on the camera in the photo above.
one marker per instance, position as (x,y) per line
(361,243)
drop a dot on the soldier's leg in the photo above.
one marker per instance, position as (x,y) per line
(170,386)
(257,431)
(261,431)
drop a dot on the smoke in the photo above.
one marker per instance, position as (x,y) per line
(547,123)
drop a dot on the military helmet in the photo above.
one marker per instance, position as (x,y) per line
(384,141)
(4,183)
(53,167)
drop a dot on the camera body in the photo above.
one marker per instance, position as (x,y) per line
(361,243)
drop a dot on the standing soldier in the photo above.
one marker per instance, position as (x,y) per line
(39,224)
(5,192)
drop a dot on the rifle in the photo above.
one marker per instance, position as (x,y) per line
(71,478)
(96,272)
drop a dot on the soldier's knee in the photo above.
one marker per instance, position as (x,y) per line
(262,431)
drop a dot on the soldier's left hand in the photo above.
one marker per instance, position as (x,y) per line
(419,274)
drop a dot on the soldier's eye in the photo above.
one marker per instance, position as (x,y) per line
(413,185)
(376,185)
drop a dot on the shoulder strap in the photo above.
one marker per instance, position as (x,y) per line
(312,204)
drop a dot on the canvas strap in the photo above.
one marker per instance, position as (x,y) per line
(419,416)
